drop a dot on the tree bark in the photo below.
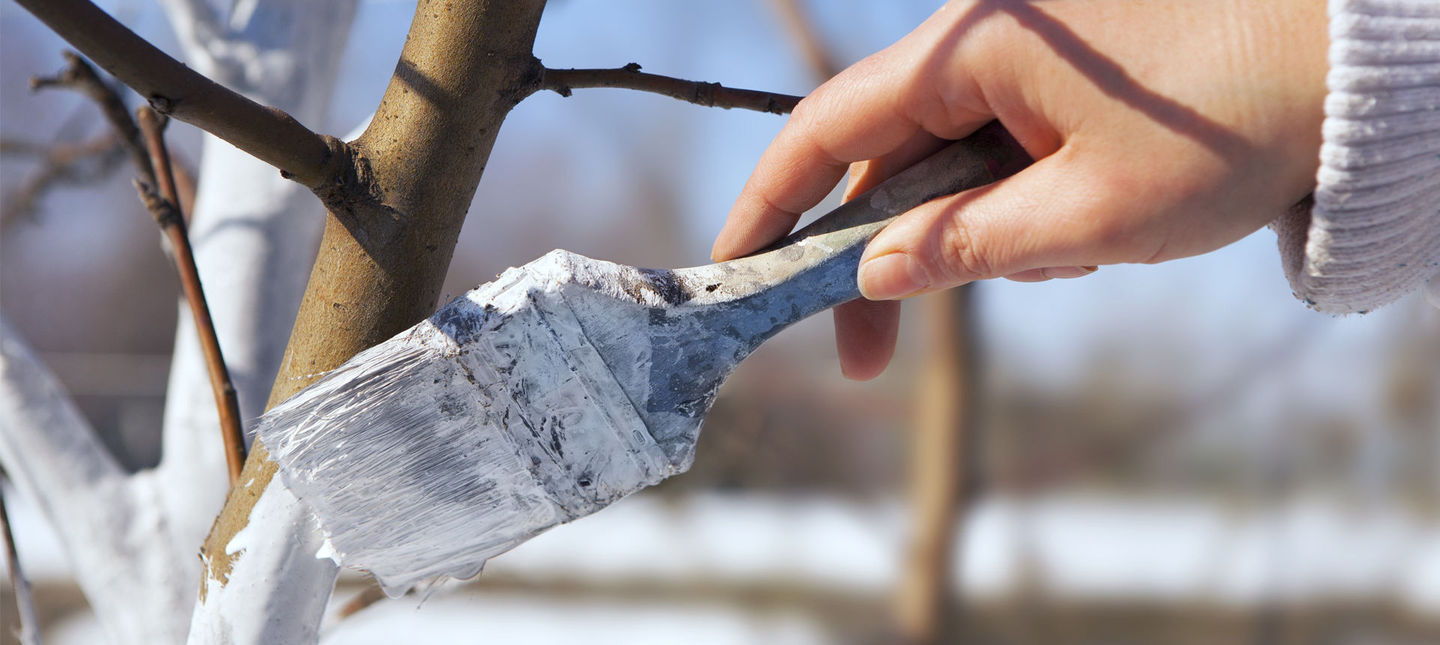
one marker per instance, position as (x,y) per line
(254,234)
(117,544)
(133,538)
(389,236)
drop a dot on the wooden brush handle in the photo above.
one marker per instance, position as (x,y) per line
(815,267)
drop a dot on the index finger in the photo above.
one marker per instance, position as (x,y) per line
(869,110)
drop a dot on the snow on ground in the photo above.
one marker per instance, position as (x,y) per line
(1081,547)
(545,620)
(1085,547)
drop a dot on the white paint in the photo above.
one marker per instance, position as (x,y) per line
(135,537)
(255,605)
(449,444)
(110,525)
(327,552)
(255,234)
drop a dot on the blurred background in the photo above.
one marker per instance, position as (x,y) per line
(1152,454)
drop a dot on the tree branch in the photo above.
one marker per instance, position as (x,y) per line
(128,571)
(380,268)
(79,76)
(60,163)
(24,601)
(175,90)
(61,159)
(803,33)
(368,596)
(45,443)
(562,81)
(165,207)
(941,464)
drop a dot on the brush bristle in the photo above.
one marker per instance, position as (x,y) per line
(460,438)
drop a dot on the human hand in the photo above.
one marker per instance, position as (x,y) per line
(1161,129)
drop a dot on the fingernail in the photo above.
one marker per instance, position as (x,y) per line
(1068,272)
(891,276)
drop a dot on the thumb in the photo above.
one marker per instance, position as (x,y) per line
(1059,212)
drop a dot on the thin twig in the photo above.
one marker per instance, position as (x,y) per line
(367,597)
(24,600)
(61,160)
(562,81)
(165,207)
(185,186)
(802,30)
(269,134)
(14,147)
(81,77)
(61,163)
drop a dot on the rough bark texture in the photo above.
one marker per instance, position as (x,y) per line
(386,248)
(388,238)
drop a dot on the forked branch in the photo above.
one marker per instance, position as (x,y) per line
(562,81)
(165,207)
(79,76)
(63,162)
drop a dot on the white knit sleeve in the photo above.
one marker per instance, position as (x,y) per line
(1373,234)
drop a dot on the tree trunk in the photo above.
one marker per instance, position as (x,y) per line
(939,466)
(254,234)
(387,243)
(132,538)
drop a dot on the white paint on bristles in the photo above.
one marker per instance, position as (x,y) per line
(453,442)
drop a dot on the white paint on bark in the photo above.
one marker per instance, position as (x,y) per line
(111,526)
(255,604)
(133,539)
(255,235)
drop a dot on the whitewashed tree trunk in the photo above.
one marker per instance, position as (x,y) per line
(133,539)
(110,525)
(254,232)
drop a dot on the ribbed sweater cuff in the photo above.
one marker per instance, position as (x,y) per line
(1373,234)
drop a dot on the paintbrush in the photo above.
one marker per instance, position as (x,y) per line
(562,386)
